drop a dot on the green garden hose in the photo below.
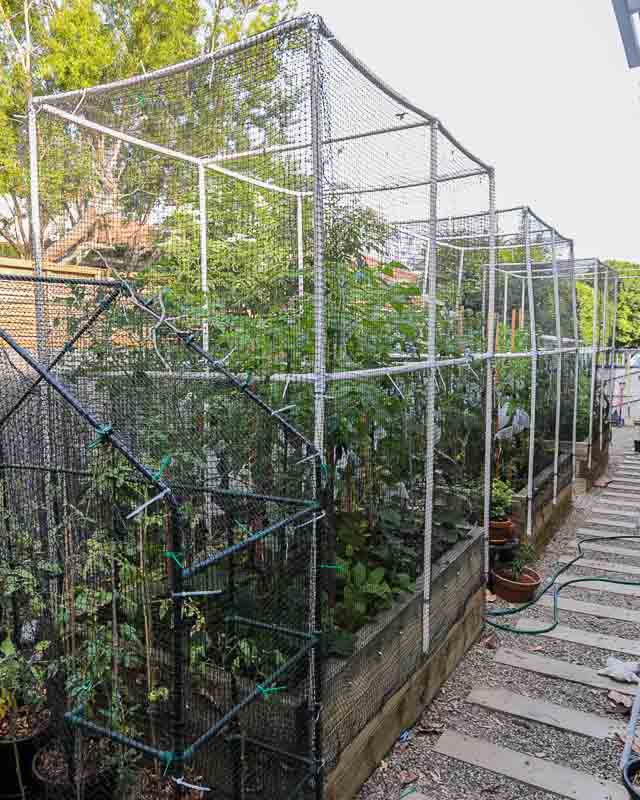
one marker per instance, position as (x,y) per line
(506,612)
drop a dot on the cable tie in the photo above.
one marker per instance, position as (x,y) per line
(181,782)
(309,521)
(308,458)
(104,431)
(172,555)
(247,382)
(282,410)
(141,508)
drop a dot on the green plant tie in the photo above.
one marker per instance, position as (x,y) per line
(141,99)
(247,382)
(172,555)
(164,464)
(189,339)
(266,693)
(407,791)
(338,567)
(324,469)
(104,431)
(169,758)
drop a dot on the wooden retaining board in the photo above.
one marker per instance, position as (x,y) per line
(532,771)
(364,754)
(563,670)
(564,633)
(535,710)
(599,610)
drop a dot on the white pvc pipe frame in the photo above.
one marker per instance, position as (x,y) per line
(429,282)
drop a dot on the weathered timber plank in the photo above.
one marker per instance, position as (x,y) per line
(607,566)
(599,586)
(592,609)
(566,719)
(563,670)
(363,755)
(536,772)
(611,550)
(601,641)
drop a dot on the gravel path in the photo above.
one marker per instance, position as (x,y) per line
(414,762)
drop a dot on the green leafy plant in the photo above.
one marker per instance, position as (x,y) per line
(525,555)
(501,500)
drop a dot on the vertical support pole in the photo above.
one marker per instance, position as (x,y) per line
(614,334)
(300,232)
(605,352)
(556,303)
(505,301)
(491,346)
(427,263)
(534,371)
(174,540)
(41,334)
(319,371)
(522,305)
(431,309)
(594,359)
(204,276)
(460,277)
(576,369)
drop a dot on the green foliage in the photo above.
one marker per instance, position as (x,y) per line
(77,43)
(525,555)
(501,499)
(628,319)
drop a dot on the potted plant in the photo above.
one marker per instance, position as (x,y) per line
(500,523)
(24,717)
(516,582)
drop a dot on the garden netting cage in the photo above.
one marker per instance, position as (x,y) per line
(240,453)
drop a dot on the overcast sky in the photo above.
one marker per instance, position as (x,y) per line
(538,88)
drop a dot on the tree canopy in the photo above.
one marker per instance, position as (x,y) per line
(55,45)
(628,321)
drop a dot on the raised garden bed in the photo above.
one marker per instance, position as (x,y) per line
(585,476)
(371,697)
(547,515)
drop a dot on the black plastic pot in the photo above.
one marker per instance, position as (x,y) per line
(631,768)
(27,748)
(636,445)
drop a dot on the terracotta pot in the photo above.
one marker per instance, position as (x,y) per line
(520,591)
(500,531)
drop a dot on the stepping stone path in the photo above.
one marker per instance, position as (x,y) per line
(615,513)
